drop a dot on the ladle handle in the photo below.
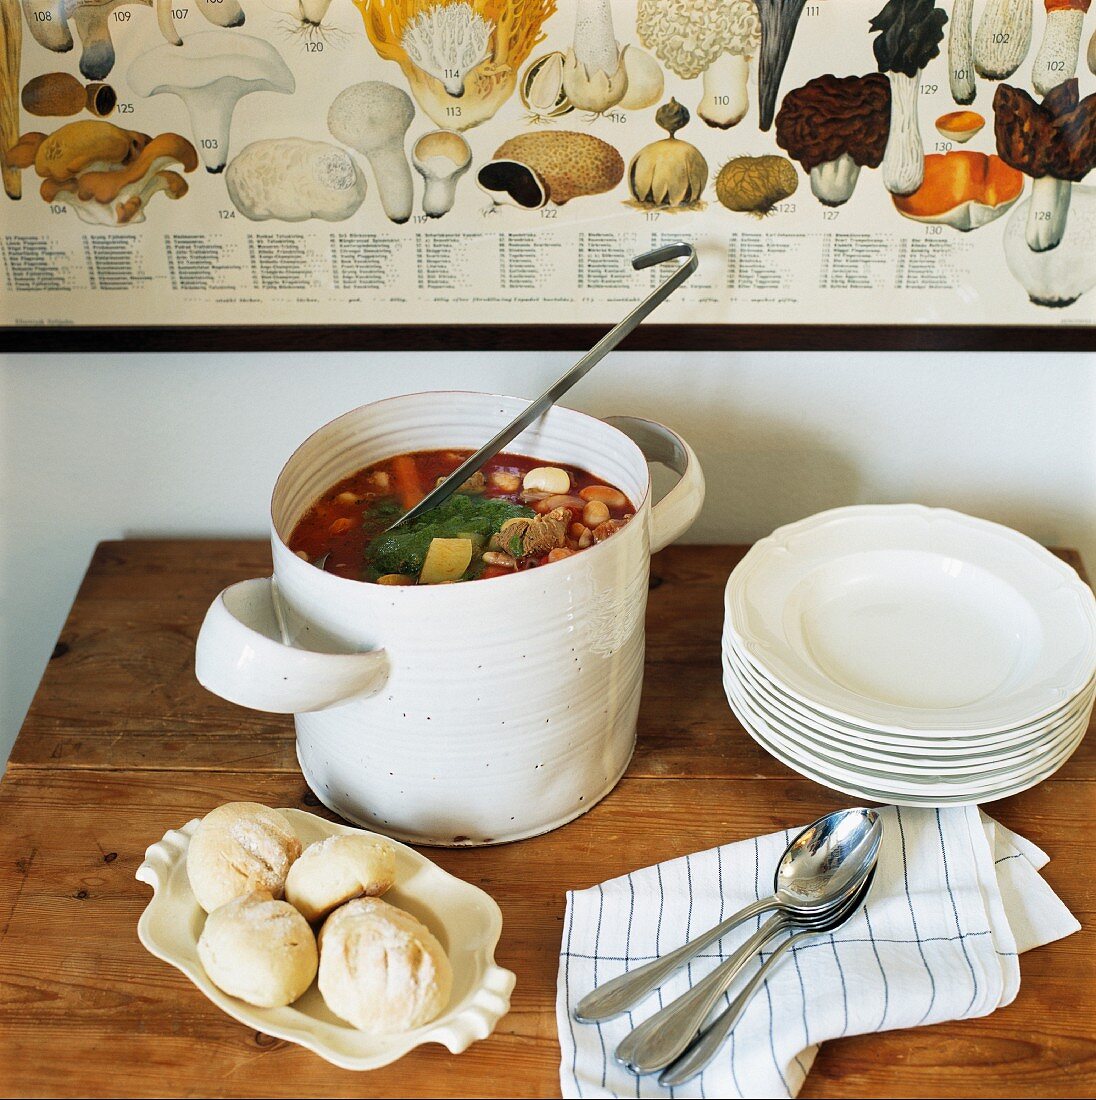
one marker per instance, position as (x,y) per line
(678,250)
(662,1038)
(619,994)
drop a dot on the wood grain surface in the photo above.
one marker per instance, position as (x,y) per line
(121,744)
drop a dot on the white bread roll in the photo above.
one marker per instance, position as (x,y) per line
(337,869)
(259,950)
(380,969)
(240,847)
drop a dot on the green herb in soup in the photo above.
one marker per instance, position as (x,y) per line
(516,514)
(461,516)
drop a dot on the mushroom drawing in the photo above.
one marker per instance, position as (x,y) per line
(441,158)
(48,22)
(962,189)
(292,179)
(594,76)
(303,17)
(779,19)
(374,117)
(909,33)
(668,173)
(11,50)
(961,53)
(461,57)
(211,73)
(106,174)
(531,170)
(1059,277)
(713,39)
(60,94)
(1003,38)
(1057,57)
(754,185)
(1055,143)
(541,88)
(645,79)
(959,126)
(834,126)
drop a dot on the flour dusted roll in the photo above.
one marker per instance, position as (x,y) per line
(337,869)
(259,949)
(240,847)
(381,969)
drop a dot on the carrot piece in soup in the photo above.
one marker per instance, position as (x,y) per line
(408,486)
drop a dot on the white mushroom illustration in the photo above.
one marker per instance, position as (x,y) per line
(1057,57)
(292,179)
(541,88)
(961,52)
(305,18)
(1003,38)
(211,73)
(645,79)
(374,117)
(594,75)
(48,22)
(441,158)
(714,39)
(909,33)
(448,43)
(1059,276)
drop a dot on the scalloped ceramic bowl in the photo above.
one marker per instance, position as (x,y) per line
(465,920)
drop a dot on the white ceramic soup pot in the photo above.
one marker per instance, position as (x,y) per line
(456,714)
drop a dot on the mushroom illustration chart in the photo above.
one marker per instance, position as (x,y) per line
(260,163)
(11,28)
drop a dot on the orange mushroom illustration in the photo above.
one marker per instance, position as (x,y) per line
(959,126)
(963,189)
(106,174)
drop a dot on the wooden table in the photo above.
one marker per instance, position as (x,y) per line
(121,743)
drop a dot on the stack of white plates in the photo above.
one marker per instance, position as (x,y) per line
(910,655)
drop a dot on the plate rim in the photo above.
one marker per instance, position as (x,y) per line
(919,719)
(876,795)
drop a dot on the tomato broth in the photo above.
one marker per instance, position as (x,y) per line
(507,518)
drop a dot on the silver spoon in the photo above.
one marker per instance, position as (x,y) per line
(557,389)
(705,1047)
(840,856)
(838,837)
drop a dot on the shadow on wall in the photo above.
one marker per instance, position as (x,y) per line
(759,473)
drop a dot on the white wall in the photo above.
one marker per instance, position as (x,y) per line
(111,446)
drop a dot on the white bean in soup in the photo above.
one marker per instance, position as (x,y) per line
(517,514)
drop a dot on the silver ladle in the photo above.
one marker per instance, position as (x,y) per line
(821,862)
(829,862)
(678,250)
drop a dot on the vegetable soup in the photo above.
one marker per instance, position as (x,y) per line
(516,513)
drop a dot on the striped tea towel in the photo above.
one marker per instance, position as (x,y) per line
(956,898)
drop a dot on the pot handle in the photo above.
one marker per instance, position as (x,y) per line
(676,512)
(241,657)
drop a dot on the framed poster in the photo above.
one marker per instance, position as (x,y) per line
(418,173)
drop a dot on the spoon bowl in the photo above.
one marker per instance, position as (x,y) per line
(828,861)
